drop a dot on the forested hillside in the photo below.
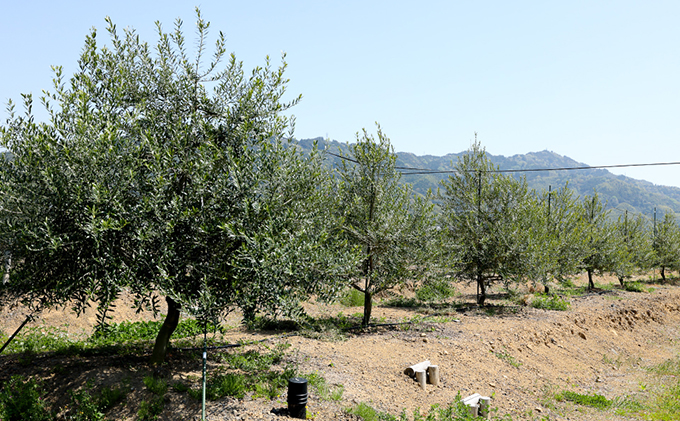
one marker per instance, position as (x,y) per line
(621,193)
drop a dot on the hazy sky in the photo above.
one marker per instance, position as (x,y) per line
(598,81)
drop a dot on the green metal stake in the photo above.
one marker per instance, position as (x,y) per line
(205,357)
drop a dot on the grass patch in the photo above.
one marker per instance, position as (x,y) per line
(667,368)
(550,302)
(456,411)
(664,402)
(634,287)
(229,384)
(151,409)
(367,413)
(402,302)
(323,390)
(21,399)
(249,371)
(125,337)
(352,297)
(593,401)
(146,331)
(435,290)
(330,328)
(156,386)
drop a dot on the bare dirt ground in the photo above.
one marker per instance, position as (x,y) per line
(518,355)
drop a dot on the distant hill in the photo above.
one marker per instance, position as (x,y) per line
(620,192)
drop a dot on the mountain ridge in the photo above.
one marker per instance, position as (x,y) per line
(621,193)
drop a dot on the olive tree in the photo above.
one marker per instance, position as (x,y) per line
(556,240)
(635,242)
(389,224)
(164,173)
(602,250)
(485,222)
(666,244)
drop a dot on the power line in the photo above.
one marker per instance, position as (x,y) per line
(419,171)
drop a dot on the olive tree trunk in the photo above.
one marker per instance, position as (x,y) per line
(368,307)
(170,323)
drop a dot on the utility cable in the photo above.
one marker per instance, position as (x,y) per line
(420,171)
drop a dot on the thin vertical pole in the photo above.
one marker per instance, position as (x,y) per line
(205,358)
(549,197)
(479,212)
(654,223)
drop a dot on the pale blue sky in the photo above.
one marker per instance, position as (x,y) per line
(598,81)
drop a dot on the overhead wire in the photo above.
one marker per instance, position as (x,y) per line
(420,171)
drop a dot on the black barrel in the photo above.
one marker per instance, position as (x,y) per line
(297,397)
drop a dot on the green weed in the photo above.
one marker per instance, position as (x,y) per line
(352,297)
(21,399)
(230,384)
(84,407)
(402,302)
(179,387)
(634,287)
(150,410)
(454,412)
(435,290)
(252,372)
(669,367)
(156,386)
(504,356)
(594,400)
(550,302)
(88,406)
(323,390)
(337,392)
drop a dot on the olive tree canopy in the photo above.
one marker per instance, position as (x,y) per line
(162,172)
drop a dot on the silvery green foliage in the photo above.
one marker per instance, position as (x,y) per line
(602,252)
(386,220)
(666,244)
(634,236)
(485,222)
(165,172)
(557,237)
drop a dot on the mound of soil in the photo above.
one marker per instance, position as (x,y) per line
(518,355)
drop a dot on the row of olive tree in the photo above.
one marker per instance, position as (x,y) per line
(495,229)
